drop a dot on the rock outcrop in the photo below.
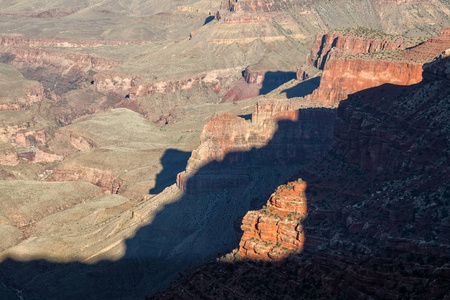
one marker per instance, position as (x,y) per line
(106,180)
(347,41)
(107,82)
(348,74)
(25,95)
(342,77)
(275,231)
(22,135)
(275,136)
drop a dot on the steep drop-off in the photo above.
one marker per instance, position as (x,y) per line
(345,41)
(377,208)
(277,135)
(351,73)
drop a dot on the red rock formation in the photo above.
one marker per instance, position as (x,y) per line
(365,141)
(427,51)
(302,74)
(359,40)
(274,136)
(268,109)
(378,213)
(346,75)
(275,231)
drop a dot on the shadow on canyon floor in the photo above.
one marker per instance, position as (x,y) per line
(173,162)
(303,89)
(274,79)
(184,233)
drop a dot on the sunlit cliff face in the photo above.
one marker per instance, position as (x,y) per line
(276,231)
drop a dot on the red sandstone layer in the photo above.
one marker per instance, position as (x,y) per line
(275,231)
(337,44)
(346,75)
(275,136)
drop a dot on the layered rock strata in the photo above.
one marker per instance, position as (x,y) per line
(352,41)
(108,82)
(275,136)
(275,231)
(378,208)
(348,74)
(20,41)
(106,180)
(344,76)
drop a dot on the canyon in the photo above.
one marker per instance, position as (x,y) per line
(383,233)
(288,146)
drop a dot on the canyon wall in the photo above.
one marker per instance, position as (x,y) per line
(275,136)
(347,74)
(35,57)
(106,180)
(110,82)
(367,142)
(352,41)
(377,203)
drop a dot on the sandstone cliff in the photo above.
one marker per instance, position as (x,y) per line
(276,231)
(275,136)
(342,77)
(348,74)
(352,41)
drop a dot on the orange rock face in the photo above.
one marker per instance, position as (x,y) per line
(337,44)
(276,135)
(276,231)
(346,75)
